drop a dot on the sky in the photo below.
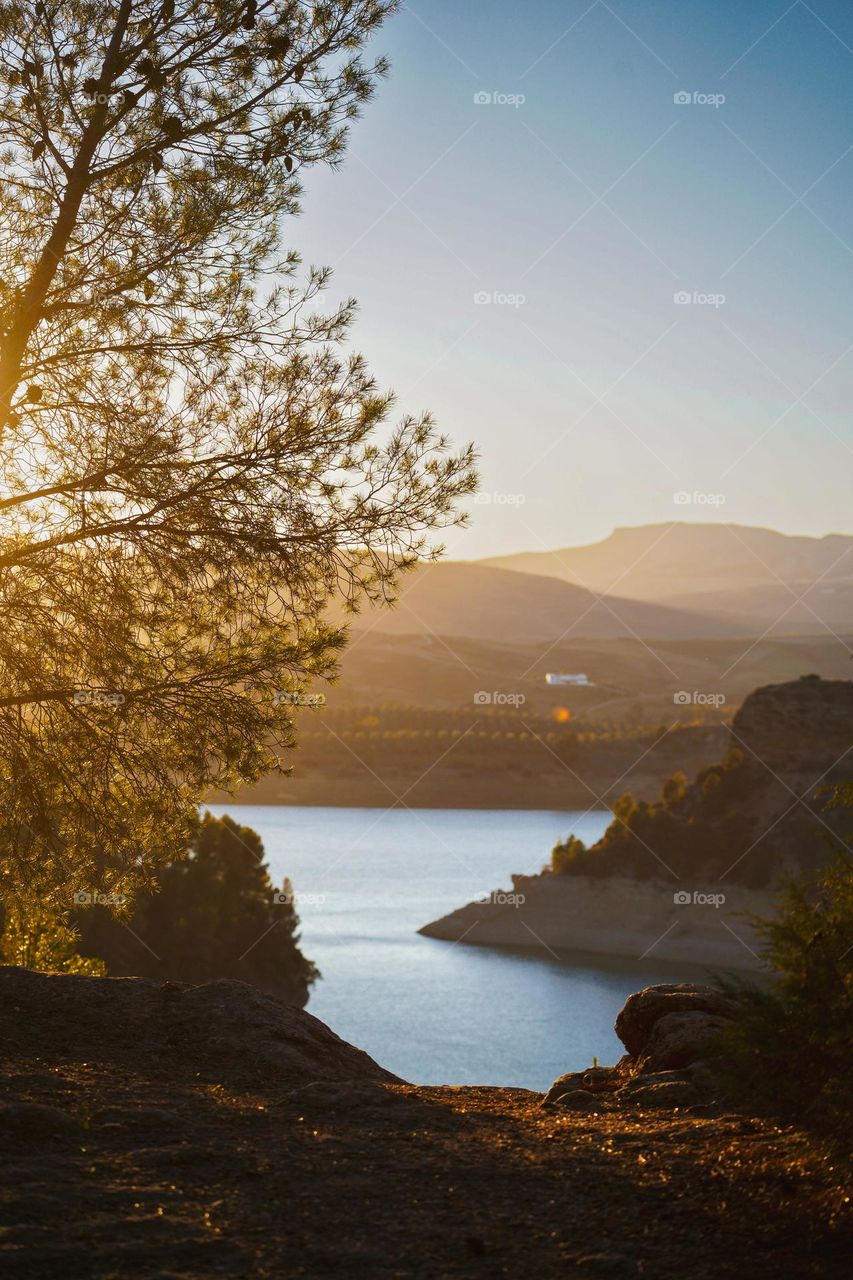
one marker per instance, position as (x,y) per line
(611,243)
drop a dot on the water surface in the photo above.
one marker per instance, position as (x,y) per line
(438,1012)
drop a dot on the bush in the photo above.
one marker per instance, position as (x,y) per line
(791,1051)
(217,915)
(564,855)
(38,939)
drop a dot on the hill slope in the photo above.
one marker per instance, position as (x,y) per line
(731,572)
(453,598)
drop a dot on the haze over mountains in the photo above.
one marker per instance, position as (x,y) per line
(667,582)
(454,598)
(751,578)
(687,606)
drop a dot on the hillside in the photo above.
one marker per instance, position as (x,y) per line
(759,814)
(677,875)
(630,677)
(735,573)
(482,602)
(405,719)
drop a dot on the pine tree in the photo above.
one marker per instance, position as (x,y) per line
(189,470)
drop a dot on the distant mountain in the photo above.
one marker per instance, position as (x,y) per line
(745,576)
(485,603)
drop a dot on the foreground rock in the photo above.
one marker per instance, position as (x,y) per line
(225,1032)
(667,1030)
(133,1149)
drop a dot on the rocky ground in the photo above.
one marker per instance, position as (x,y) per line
(209,1143)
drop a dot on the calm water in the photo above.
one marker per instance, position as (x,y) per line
(437,1012)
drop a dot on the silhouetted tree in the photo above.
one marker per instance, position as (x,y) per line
(189,471)
(217,915)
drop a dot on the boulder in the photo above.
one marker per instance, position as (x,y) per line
(677,1039)
(225,1031)
(640,1013)
(666,1030)
(578,1100)
(593,1080)
(673,1093)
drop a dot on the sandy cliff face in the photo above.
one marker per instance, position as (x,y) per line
(618,917)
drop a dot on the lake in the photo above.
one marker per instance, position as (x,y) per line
(437,1012)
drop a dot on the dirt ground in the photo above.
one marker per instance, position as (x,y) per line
(110,1173)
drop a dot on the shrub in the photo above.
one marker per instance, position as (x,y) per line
(565,854)
(791,1051)
(38,939)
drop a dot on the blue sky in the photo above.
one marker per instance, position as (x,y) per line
(593,395)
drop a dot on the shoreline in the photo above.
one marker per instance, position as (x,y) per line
(221,801)
(619,917)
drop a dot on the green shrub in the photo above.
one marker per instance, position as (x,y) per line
(791,1051)
(565,854)
(38,939)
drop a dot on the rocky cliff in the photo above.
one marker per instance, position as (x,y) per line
(227,1032)
(674,880)
(801,725)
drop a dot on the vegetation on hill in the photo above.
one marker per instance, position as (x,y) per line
(696,830)
(714,827)
(740,819)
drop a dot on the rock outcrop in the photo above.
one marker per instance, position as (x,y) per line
(802,724)
(666,1029)
(226,1032)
